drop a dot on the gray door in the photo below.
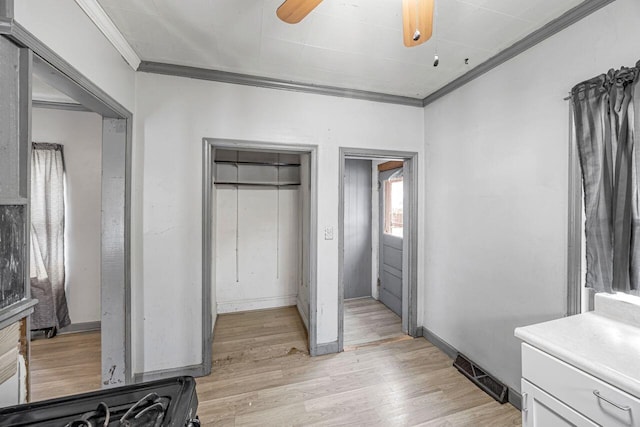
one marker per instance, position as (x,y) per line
(357,228)
(390,263)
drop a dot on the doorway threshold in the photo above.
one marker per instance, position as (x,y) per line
(377,343)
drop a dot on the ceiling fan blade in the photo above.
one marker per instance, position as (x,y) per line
(294,11)
(417,19)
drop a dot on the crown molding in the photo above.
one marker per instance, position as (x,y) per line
(570,17)
(270,83)
(99,17)
(111,32)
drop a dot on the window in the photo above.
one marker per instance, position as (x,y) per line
(604,228)
(393,201)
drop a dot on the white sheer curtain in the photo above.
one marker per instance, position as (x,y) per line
(47,237)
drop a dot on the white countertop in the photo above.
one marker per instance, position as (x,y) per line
(604,343)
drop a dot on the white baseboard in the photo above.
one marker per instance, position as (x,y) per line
(256,304)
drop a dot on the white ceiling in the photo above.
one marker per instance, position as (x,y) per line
(355,44)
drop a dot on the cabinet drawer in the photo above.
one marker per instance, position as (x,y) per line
(597,400)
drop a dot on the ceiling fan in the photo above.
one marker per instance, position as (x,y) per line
(417,17)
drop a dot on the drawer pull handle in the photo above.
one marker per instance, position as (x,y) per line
(622,408)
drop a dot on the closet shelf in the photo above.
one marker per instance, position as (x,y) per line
(233,162)
(258,184)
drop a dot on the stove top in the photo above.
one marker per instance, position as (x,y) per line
(164,403)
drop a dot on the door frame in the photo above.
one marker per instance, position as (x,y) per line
(209,145)
(410,238)
(116,189)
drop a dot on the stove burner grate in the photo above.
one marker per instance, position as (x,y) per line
(147,412)
(171,402)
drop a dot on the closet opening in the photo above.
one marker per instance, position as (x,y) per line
(259,248)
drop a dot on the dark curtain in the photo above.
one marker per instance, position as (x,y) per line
(47,237)
(607,123)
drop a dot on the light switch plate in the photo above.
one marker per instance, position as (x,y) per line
(328,233)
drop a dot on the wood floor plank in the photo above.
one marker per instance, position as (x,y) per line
(367,320)
(65,364)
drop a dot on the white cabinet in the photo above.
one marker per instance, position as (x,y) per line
(540,409)
(554,393)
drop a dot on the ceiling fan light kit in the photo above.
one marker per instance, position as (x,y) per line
(417,17)
(294,11)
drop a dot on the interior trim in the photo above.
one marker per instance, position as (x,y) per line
(570,17)
(410,243)
(17,311)
(81,327)
(63,76)
(565,20)
(6,8)
(192,371)
(391,164)
(208,247)
(270,83)
(326,348)
(81,89)
(208,253)
(574,237)
(239,306)
(515,398)
(99,17)
(444,346)
(53,105)
(90,7)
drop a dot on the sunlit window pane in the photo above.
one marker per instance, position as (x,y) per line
(393,195)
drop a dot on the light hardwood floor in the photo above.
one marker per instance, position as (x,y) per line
(367,320)
(263,376)
(65,364)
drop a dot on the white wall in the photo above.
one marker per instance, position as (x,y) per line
(172,116)
(81,135)
(266,221)
(496,235)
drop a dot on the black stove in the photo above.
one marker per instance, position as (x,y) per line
(164,403)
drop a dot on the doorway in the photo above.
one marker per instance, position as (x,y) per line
(115,198)
(75,137)
(373,221)
(259,223)
(380,216)
(38,60)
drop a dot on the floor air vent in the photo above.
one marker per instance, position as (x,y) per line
(486,382)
